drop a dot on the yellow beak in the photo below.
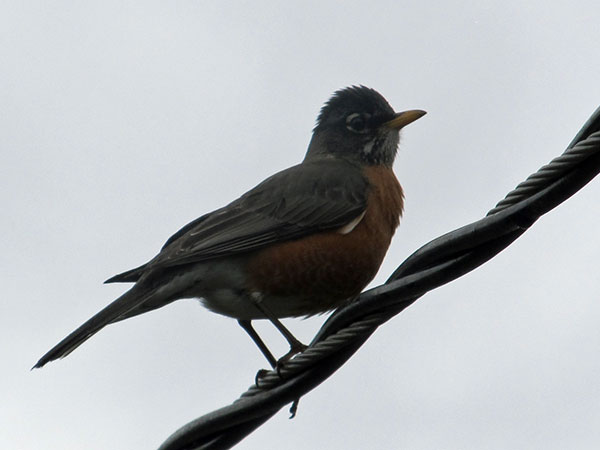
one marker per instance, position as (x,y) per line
(402,119)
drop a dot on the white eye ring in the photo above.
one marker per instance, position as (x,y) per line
(357,123)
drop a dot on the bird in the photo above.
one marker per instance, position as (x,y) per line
(305,241)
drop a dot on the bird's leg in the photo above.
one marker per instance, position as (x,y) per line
(295,345)
(247,326)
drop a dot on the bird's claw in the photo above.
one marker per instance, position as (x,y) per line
(297,348)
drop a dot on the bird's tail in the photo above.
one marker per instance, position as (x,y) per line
(131,299)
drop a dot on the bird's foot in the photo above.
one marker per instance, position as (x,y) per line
(296,348)
(262,373)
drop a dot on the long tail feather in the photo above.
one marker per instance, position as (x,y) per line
(128,301)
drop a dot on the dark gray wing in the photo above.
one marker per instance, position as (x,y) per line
(317,195)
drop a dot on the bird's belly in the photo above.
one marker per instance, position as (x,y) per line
(316,274)
(309,276)
(220,285)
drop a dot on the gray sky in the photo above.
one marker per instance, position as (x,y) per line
(122,122)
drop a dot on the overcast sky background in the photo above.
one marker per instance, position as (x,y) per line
(122,121)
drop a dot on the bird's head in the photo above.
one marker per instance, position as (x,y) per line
(358,124)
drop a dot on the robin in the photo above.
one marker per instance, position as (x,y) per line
(304,241)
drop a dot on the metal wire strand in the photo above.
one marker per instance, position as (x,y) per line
(436,263)
(549,173)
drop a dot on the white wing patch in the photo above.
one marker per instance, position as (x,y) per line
(351,225)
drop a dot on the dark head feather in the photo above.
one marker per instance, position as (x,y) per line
(354,99)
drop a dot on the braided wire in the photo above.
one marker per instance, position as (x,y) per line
(550,172)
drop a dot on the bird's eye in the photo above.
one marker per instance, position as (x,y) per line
(357,123)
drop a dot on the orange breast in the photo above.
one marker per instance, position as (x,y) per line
(323,270)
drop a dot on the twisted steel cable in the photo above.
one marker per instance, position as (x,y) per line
(436,263)
(548,173)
